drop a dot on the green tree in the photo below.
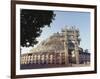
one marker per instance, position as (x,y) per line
(32,22)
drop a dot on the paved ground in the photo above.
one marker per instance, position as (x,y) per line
(38,66)
(80,65)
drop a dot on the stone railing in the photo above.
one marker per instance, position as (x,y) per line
(46,58)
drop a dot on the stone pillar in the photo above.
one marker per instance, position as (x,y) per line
(77,54)
(38,59)
(26,59)
(51,59)
(46,58)
(66,48)
(60,58)
(55,58)
(21,60)
(76,47)
(42,59)
(34,59)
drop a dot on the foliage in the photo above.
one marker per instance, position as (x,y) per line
(32,22)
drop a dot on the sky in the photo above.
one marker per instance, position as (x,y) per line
(80,20)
